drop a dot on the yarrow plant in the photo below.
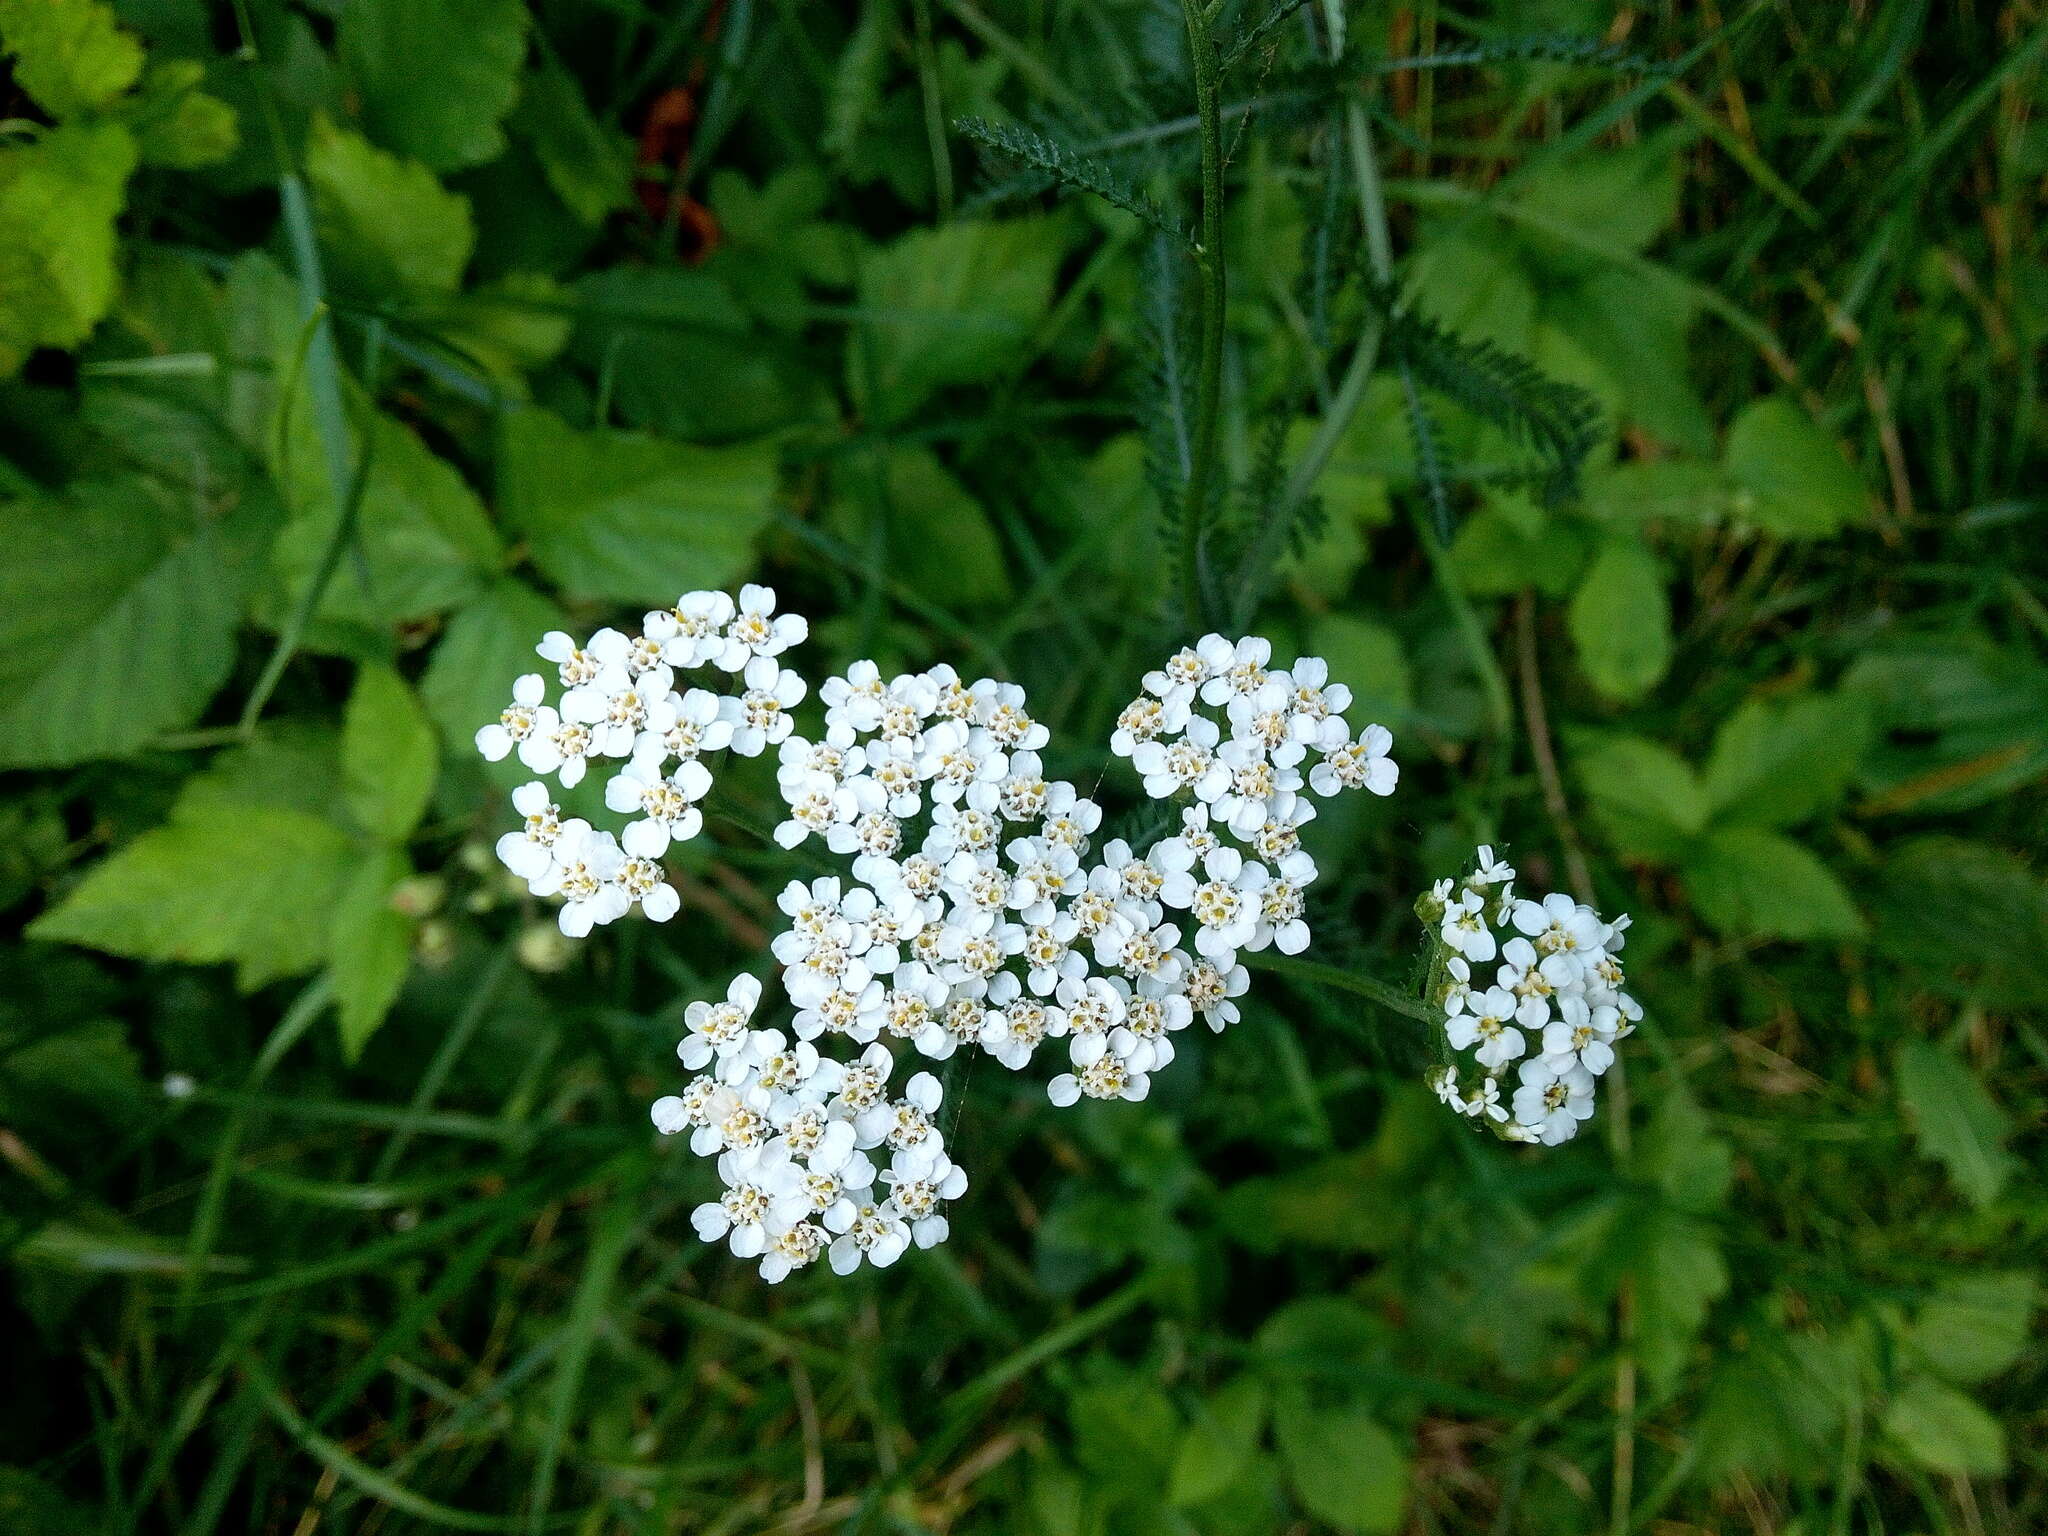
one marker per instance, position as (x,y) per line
(976,912)
(1531,988)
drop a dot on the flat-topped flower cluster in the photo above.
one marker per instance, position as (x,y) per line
(977,913)
(1530,985)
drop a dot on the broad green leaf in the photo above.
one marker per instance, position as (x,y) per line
(938,539)
(389,754)
(1476,288)
(291,765)
(630,517)
(388,226)
(1679,1273)
(488,644)
(1104,513)
(1496,556)
(1324,1204)
(1307,1337)
(72,1085)
(1681,1152)
(587,163)
(508,328)
(71,55)
(1346,1468)
(116,624)
(370,949)
(1778,1409)
(1646,798)
(176,123)
(249,884)
(1945,1430)
(1624,195)
(1218,1444)
(1975,1326)
(1126,1428)
(58,200)
(1954,1120)
(1790,476)
(1776,763)
(1753,883)
(435,80)
(1620,621)
(952,305)
(1676,491)
(1368,659)
(1636,331)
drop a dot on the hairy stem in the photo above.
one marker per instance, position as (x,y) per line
(1396,999)
(1209,254)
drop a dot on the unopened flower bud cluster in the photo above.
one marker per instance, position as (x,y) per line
(1532,998)
(979,913)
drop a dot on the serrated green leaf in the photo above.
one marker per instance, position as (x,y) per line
(1218,1444)
(1790,476)
(1779,1408)
(1954,1120)
(248,884)
(59,198)
(116,624)
(488,644)
(940,541)
(952,305)
(1678,491)
(1681,1152)
(1777,763)
(1753,883)
(71,55)
(389,754)
(630,517)
(370,949)
(434,81)
(388,226)
(1370,660)
(1679,1273)
(1945,1430)
(1975,1326)
(1496,557)
(1646,797)
(1967,918)
(1126,1428)
(1346,1468)
(1625,196)
(1620,621)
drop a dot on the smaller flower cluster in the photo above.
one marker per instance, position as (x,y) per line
(1529,985)
(798,1138)
(620,702)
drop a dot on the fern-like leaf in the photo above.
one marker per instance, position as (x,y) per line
(1555,420)
(1050,163)
(1429,454)
(1256,35)
(1536,48)
(1164,410)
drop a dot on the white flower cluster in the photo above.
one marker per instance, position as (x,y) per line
(979,914)
(620,701)
(1552,1010)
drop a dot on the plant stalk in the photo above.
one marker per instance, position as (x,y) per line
(1209,372)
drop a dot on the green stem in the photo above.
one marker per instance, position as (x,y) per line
(1209,253)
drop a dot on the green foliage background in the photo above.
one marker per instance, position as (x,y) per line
(349,344)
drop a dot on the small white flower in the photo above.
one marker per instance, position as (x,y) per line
(1552,1100)
(1488,1022)
(667,804)
(692,633)
(720,1029)
(1466,929)
(529,851)
(515,722)
(1361,764)
(760,715)
(584,872)
(756,632)
(1225,904)
(691,726)
(1238,669)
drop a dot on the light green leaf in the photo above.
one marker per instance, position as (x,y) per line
(1679,1273)
(1791,476)
(1625,196)
(389,754)
(1757,884)
(1223,1438)
(1776,763)
(1636,331)
(1945,1430)
(70,55)
(1646,798)
(177,124)
(218,882)
(1962,721)
(1779,1408)
(1620,620)
(1368,659)
(1955,1121)
(370,949)
(952,305)
(116,624)
(587,163)
(387,224)
(1346,1468)
(488,644)
(434,80)
(1694,1166)
(939,539)
(1975,1326)
(1126,1428)
(1497,556)
(58,200)
(1679,491)
(630,517)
